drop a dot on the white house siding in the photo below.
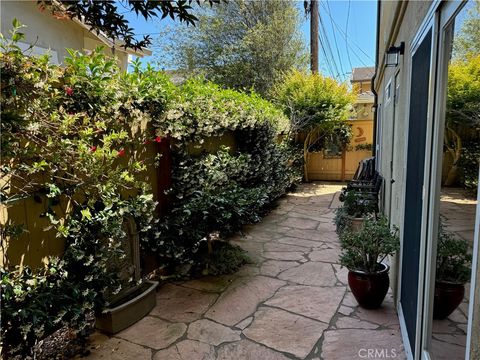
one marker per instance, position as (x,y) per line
(46,32)
(406,26)
(42,29)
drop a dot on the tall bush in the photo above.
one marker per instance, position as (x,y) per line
(318,108)
(221,190)
(67,142)
(462,117)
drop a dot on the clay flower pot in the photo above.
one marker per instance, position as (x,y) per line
(447,297)
(356,224)
(369,289)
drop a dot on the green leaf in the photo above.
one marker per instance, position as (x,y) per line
(86,214)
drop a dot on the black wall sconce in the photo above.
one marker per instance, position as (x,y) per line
(393,55)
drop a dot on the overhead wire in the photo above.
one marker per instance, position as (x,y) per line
(335,42)
(327,59)
(348,41)
(328,47)
(346,32)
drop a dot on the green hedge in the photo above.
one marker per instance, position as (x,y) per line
(220,191)
(67,142)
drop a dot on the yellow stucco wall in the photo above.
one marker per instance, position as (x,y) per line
(34,246)
(362,86)
(342,168)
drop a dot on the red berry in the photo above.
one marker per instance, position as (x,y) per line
(121,152)
(93,148)
(69,91)
(158,139)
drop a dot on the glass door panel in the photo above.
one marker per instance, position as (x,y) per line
(454,199)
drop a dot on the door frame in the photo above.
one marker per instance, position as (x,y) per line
(395,82)
(446,16)
(475,282)
(413,350)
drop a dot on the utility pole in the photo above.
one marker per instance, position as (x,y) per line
(314,36)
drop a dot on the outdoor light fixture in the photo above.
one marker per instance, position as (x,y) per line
(393,54)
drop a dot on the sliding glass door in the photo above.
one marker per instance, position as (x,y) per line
(412,227)
(450,289)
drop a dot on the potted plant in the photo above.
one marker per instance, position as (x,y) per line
(356,206)
(363,253)
(452,272)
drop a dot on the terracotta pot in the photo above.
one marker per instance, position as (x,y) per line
(356,224)
(369,289)
(447,298)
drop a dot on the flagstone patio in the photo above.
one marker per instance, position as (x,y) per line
(293,302)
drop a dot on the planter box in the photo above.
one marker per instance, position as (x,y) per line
(129,310)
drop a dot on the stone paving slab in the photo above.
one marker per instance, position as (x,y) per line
(293,302)
(153,333)
(211,332)
(284,331)
(309,301)
(248,350)
(187,349)
(209,283)
(275,267)
(351,344)
(311,273)
(181,304)
(104,348)
(242,298)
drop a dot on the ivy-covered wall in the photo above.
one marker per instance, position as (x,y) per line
(219,188)
(78,154)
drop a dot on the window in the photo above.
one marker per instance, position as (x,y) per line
(388,91)
(332,151)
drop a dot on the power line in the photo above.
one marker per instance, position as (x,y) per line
(346,37)
(327,59)
(314,35)
(328,47)
(335,41)
(346,32)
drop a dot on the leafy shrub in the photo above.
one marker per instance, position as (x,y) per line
(221,190)
(67,141)
(311,99)
(453,258)
(35,304)
(225,259)
(469,164)
(355,205)
(366,249)
(318,108)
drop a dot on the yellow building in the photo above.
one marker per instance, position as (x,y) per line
(331,164)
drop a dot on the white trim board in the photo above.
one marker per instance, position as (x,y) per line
(403,330)
(474,280)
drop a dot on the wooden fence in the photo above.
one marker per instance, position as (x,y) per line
(341,167)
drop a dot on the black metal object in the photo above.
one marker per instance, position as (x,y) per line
(367,183)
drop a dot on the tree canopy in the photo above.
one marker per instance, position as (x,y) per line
(463,99)
(241,44)
(318,108)
(108,18)
(467,40)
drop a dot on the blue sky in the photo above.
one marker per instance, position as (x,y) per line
(349,27)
